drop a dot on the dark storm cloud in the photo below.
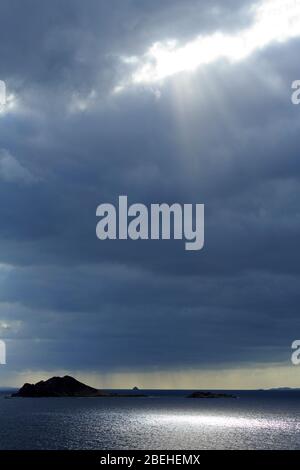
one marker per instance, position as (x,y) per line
(46,42)
(159,321)
(226,136)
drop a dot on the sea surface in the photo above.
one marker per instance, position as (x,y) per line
(164,420)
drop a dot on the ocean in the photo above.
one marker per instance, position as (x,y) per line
(164,420)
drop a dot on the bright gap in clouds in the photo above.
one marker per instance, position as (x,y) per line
(274,20)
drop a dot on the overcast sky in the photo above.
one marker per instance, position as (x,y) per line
(164,101)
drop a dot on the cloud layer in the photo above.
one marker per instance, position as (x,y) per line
(225,134)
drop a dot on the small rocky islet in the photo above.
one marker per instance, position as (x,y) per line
(203,394)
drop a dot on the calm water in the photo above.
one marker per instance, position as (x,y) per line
(257,420)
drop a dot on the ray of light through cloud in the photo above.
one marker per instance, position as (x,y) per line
(274,21)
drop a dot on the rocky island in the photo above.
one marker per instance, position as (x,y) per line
(57,387)
(64,387)
(203,394)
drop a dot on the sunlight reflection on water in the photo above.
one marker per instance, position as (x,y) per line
(253,422)
(221,421)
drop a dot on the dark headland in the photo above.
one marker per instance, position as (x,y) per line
(65,387)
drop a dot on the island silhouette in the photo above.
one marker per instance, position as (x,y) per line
(65,386)
(68,386)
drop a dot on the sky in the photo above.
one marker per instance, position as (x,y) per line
(162,101)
